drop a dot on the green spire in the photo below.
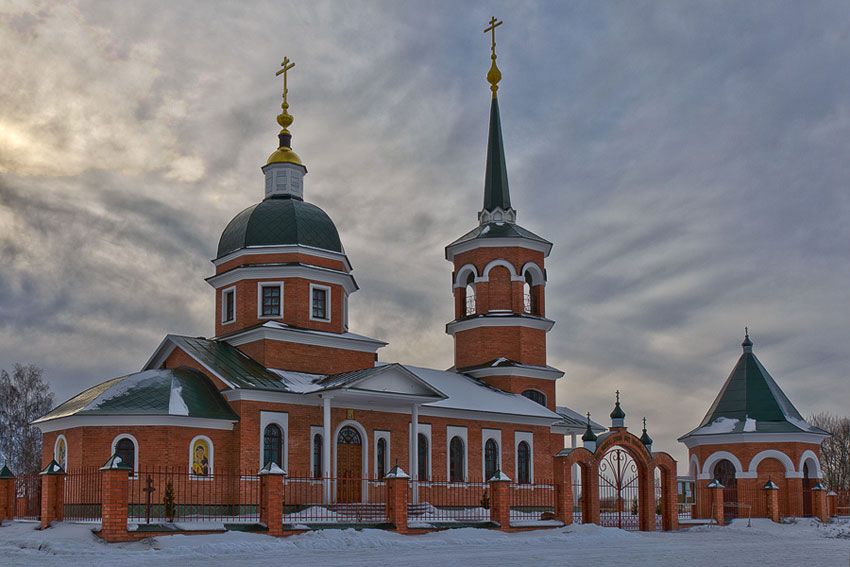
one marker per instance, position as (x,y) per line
(496,193)
(588,433)
(618,412)
(645,438)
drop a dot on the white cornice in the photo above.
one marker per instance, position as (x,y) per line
(133,421)
(524,371)
(492,320)
(740,438)
(346,341)
(284,249)
(453,250)
(315,273)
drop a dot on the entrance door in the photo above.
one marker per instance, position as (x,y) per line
(619,490)
(349,465)
(807,491)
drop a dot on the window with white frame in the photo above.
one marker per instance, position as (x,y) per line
(274,435)
(270,300)
(382,453)
(457,457)
(127,448)
(491,458)
(316,470)
(228,305)
(320,302)
(524,462)
(201,457)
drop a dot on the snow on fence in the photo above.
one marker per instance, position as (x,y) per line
(439,501)
(164,495)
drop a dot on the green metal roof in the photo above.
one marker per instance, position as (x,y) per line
(751,401)
(167,391)
(277,221)
(229,363)
(499,230)
(496,193)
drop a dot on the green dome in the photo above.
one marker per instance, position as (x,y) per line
(279,221)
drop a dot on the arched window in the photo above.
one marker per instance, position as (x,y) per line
(528,294)
(272,445)
(126,449)
(382,457)
(536,396)
(201,456)
(724,472)
(523,460)
(456,458)
(317,456)
(422,456)
(470,295)
(491,459)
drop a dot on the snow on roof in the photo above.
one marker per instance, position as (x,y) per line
(465,393)
(719,425)
(299,382)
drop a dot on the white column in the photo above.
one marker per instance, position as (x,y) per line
(573,439)
(414,450)
(326,449)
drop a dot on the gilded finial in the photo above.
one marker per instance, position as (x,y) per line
(284,118)
(493,75)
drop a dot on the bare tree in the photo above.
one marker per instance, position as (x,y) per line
(24,396)
(835,451)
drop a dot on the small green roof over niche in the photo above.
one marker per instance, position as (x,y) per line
(279,221)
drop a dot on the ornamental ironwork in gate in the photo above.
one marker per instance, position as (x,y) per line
(618,490)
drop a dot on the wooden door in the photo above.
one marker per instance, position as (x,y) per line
(349,465)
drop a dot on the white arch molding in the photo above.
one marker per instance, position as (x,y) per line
(121,436)
(773,454)
(537,277)
(364,457)
(499,262)
(809,455)
(463,274)
(693,467)
(708,465)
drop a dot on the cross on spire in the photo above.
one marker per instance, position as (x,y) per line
(284,118)
(618,396)
(493,75)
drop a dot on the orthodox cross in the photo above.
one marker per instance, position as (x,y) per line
(284,118)
(148,489)
(588,418)
(618,396)
(492,29)
(644,424)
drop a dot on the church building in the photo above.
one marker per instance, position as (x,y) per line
(285,381)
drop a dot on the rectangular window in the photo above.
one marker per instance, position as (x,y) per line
(271,301)
(228,305)
(320,303)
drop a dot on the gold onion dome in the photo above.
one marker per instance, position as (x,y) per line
(284,153)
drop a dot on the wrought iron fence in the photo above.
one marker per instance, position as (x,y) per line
(28,497)
(345,500)
(532,503)
(443,502)
(167,495)
(578,502)
(82,497)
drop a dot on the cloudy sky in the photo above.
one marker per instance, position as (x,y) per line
(690,162)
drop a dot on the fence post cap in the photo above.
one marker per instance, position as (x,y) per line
(116,463)
(770,485)
(52,468)
(819,487)
(830,493)
(396,472)
(714,484)
(6,473)
(499,476)
(272,468)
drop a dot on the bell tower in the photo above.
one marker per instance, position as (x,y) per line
(499,283)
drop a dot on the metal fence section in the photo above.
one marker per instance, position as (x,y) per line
(444,502)
(167,495)
(308,500)
(28,497)
(532,503)
(82,498)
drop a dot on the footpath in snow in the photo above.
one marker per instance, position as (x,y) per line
(805,542)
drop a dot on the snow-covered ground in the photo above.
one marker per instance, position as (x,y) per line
(803,543)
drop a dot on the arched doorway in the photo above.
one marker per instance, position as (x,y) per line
(724,473)
(619,490)
(349,465)
(808,482)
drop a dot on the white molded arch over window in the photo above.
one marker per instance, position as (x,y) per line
(60,452)
(532,273)
(462,276)
(126,447)
(773,454)
(470,296)
(708,465)
(811,459)
(486,273)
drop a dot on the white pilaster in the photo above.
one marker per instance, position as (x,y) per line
(414,450)
(326,449)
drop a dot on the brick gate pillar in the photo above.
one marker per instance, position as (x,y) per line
(832,503)
(715,489)
(52,494)
(398,485)
(772,492)
(271,498)
(669,501)
(7,494)
(702,497)
(500,500)
(114,488)
(794,496)
(563,490)
(819,508)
